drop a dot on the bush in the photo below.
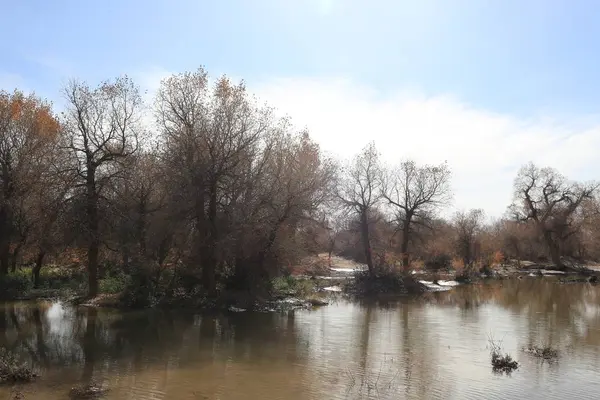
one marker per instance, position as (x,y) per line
(438,262)
(501,363)
(12,371)
(288,285)
(113,284)
(139,290)
(385,281)
(54,277)
(14,285)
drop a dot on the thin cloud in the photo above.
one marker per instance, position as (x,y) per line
(484,149)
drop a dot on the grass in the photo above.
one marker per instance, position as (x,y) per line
(290,286)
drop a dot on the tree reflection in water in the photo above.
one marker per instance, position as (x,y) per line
(421,348)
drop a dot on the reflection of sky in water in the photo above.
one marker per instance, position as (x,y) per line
(60,320)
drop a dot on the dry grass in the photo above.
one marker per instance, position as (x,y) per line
(458,265)
(417,265)
(501,362)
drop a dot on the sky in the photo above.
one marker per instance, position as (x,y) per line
(486,85)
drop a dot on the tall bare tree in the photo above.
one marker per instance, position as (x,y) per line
(101,130)
(547,198)
(359,192)
(468,226)
(414,194)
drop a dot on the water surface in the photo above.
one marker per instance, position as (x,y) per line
(413,349)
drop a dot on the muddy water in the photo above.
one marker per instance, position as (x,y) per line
(425,349)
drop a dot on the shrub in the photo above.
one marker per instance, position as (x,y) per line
(14,285)
(113,284)
(498,258)
(417,264)
(139,290)
(501,363)
(288,285)
(12,371)
(438,262)
(54,277)
(385,281)
(458,264)
(282,284)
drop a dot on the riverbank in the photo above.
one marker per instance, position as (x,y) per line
(312,284)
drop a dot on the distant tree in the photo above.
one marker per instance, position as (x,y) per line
(101,130)
(547,198)
(468,226)
(414,194)
(359,192)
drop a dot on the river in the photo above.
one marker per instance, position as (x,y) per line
(427,348)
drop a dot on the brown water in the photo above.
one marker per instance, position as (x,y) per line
(425,349)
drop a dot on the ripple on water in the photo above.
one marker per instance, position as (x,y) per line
(415,349)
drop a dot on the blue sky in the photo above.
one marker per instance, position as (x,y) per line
(533,63)
(514,56)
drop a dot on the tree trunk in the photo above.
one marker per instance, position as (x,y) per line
(93,232)
(210,246)
(5,219)
(4,241)
(125,259)
(404,245)
(93,251)
(554,249)
(141,225)
(4,257)
(15,257)
(39,262)
(364,233)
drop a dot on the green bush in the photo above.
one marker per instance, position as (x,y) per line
(282,284)
(288,285)
(54,277)
(113,284)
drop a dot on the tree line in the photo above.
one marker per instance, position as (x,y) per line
(225,193)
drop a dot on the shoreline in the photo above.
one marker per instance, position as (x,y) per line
(324,289)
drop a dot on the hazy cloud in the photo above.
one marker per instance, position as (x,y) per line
(483,148)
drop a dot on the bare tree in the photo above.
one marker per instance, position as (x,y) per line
(101,129)
(414,194)
(334,223)
(468,226)
(547,198)
(359,192)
